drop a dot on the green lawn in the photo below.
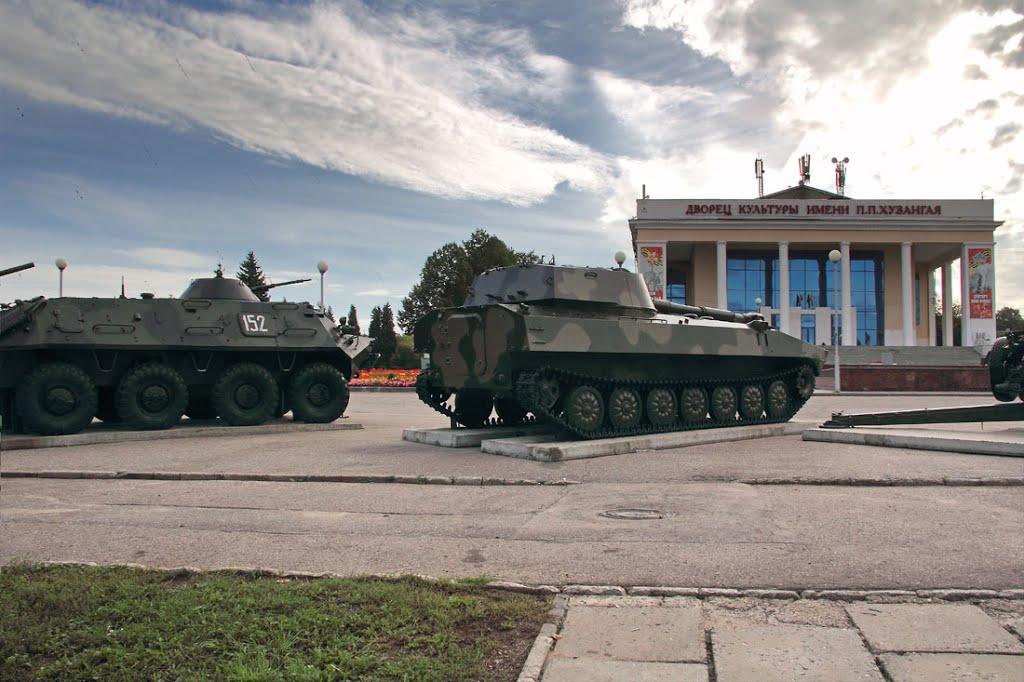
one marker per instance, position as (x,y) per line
(74,622)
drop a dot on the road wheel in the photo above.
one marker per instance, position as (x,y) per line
(548,393)
(317,394)
(778,399)
(473,407)
(106,407)
(509,410)
(661,406)
(199,404)
(584,408)
(624,408)
(693,404)
(152,396)
(245,394)
(804,382)
(723,403)
(56,398)
(752,401)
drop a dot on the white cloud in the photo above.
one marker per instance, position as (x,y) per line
(400,99)
(169,259)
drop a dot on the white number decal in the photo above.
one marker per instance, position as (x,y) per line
(255,323)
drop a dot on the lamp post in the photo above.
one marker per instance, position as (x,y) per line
(322,267)
(835,256)
(62,265)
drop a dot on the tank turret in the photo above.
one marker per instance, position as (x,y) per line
(589,350)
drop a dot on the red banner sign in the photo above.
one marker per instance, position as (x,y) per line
(652,267)
(981,275)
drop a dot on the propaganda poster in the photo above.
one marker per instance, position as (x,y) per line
(981,276)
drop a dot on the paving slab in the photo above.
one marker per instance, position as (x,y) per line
(633,633)
(953,667)
(102,433)
(784,653)
(1004,442)
(466,438)
(596,670)
(934,628)
(549,450)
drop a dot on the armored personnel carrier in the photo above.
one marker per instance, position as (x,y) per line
(216,351)
(588,349)
(1006,367)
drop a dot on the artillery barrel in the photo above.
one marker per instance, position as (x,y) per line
(663,306)
(17,268)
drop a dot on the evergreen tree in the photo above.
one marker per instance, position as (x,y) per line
(353,319)
(387,340)
(330,314)
(374,331)
(251,275)
(448,272)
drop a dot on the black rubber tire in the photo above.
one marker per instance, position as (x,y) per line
(106,406)
(584,408)
(509,411)
(693,404)
(473,407)
(56,398)
(151,397)
(997,369)
(777,400)
(199,405)
(803,384)
(723,403)
(245,394)
(317,394)
(661,406)
(751,401)
(625,408)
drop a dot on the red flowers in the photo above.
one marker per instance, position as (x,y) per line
(386,377)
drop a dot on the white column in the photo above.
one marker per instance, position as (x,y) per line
(965,299)
(847,296)
(907,289)
(721,266)
(930,279)
(783,293)
(947,304)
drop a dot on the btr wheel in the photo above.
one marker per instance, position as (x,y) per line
(473,407)
(752,402)
(245,394)
(152,396)
(693,404)
(509,411)
(56,398)
(317,394)
(106,407)
(778,399)
(661,406)
(584,408)
(624,408)
(804,382)
(723,403)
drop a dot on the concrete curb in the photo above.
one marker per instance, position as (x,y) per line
(286,478)
(533,668)
(101,435)
(995,443)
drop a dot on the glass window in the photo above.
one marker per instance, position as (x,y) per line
(746,280)
(675,290)
(808,328)
(775,321)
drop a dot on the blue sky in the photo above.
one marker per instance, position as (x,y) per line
(151,139)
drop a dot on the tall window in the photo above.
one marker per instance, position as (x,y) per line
(808,328)
(805,283)
(746,282)
(866,293)
(675,290)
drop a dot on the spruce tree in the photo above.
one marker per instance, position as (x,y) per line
(330,314)
(374,332)
(251,275)
(387,340)
(353,319)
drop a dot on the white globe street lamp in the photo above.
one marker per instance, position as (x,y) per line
(322,267)
(62,265)
(835,256)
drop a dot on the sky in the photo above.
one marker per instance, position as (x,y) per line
(152,139)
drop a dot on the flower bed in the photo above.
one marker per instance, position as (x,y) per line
(400,378)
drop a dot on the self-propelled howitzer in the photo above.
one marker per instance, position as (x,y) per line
(588,350)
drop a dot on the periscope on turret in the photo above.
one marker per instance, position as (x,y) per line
(216,351)
(587,349)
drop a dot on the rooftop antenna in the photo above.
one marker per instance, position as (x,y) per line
(841,174)
(759,174)
(122,287)
(643,192)
(804,163)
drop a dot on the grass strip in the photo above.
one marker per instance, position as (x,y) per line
(114,623)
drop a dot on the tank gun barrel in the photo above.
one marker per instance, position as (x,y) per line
(663,306)
(264,287)
(17,268)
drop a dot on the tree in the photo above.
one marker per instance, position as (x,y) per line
(353,320)
(387,340)
(330,314)
(251,275)
(405,357)
(448,272)
(1008,319)
(957,317)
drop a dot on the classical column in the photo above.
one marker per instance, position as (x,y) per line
(930,279)
(721,265)
(782,300)
(847,296)
(907,289)
(947,304)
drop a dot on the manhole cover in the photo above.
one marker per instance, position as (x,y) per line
(633,514)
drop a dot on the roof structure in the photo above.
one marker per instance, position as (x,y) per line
(803,191)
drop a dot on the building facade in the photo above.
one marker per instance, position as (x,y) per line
(771,255)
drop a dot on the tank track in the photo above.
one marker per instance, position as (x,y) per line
(527,397)
(437,399)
